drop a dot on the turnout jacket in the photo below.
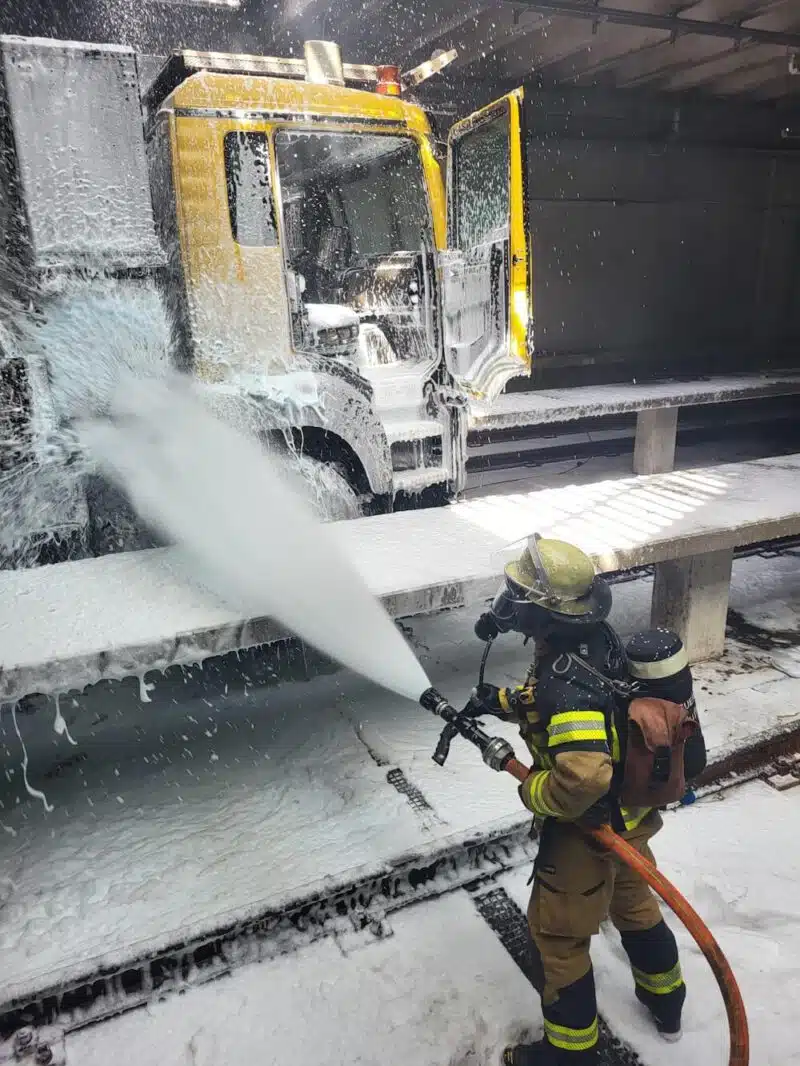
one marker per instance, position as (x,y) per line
(569,723)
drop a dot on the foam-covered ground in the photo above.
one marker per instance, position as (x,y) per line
(442,991)
(223,797)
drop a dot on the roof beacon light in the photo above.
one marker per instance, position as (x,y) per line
(389,81)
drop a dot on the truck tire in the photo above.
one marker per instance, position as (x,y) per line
(331,495)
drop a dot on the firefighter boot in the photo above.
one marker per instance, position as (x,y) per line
(570,1028)
(653,955)
(539,1054)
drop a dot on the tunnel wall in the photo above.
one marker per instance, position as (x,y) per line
(666,236)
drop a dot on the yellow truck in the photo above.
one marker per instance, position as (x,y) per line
(291,235)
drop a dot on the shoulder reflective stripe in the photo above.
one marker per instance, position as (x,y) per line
(502,695)
(567,1039)
(659,984)
(575,736)
(633,816)
(575,716)
(662,668)
(570,726)
(537,801)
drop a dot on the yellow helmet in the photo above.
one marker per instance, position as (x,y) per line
(561,579)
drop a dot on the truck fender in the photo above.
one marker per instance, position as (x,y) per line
(312,397)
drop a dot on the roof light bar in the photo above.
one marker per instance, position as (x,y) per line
(384,76)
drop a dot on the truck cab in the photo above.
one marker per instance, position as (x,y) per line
(335,284)
(316,234)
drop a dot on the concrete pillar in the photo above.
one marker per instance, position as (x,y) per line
(654,447)
(691,597)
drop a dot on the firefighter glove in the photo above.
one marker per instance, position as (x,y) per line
(489,699)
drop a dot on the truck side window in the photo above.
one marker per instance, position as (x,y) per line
(481,184)
(249,192)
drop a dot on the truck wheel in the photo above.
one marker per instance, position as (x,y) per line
(325,485)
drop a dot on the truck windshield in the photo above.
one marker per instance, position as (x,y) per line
(371,185)
(357,228)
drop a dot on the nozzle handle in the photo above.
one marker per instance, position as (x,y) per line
(443,746)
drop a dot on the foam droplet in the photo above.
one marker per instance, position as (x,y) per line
(60,724)
(34,792)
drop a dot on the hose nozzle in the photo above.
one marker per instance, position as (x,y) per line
(432,700)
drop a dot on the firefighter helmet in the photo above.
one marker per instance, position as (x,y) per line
(555,577)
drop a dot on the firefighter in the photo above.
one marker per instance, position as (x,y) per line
(568,722)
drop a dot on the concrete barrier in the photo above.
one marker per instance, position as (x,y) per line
(66,626)
(656,406)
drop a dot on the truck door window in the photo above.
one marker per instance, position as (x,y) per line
(249,192)
(481,184)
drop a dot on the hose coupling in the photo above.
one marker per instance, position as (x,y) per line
(497,753)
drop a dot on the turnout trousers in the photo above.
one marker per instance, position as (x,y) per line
(577,885)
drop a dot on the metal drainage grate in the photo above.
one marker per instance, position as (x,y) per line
(509,924)
(507,921)
(419,804)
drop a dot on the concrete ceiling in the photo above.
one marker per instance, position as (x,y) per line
(719,47)
(742,49)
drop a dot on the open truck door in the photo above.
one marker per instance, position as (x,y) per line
(486,275)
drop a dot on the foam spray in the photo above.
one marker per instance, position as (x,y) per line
(240,522)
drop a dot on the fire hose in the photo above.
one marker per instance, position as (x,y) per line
(499,755)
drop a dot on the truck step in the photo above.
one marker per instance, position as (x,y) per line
(412,481)
(412,429)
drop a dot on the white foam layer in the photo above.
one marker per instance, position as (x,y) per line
(443,989)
